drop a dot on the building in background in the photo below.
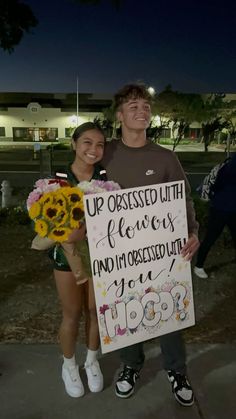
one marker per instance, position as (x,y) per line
(49,117)
(46,117)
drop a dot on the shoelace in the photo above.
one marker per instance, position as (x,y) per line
(74,373)
(127,374)
(181,381)
(93,368)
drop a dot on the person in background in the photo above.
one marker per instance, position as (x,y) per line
(222,213)
(135,161)
(88,144)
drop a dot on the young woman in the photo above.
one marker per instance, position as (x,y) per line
(88,144)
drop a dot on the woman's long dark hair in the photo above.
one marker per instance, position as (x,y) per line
(86,127)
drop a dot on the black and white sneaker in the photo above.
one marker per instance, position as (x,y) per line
(181,388)
(126,382)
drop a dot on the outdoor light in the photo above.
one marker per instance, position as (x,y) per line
(73,120)
(151,90)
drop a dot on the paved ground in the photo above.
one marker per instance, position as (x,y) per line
(31,388)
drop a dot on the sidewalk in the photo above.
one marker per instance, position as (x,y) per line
(31,387)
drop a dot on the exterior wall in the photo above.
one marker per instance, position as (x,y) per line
(42,118)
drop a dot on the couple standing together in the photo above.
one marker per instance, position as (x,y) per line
(132,161)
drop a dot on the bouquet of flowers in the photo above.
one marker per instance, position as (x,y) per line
(57,209)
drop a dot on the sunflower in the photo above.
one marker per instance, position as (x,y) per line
(74,195)
(81,204)
(76,215)
(62,218)
(35,210)
(50,212)
(47,198)
(60,200)
(74,223)
(59,234)
(41,227)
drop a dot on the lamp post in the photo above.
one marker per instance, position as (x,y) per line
(77,101)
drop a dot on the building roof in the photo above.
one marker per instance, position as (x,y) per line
(88,102)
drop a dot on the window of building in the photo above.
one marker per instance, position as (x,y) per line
(2,132)
(166,133)
(193,133)
(35,134)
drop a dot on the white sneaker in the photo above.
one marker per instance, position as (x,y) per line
(95,377)
(73,384)
(200,272)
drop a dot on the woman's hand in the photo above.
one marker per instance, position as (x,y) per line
(190,247)
(77,234)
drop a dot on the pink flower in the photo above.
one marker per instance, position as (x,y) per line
(33,197)
(120,332)
(43,186)
(103,309)
(96,186)
(49,185)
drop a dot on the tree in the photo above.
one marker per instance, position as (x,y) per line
(177,108)
(16,18)
(209,128)
(107,122)
(228,112)
(155,131)
(213,118)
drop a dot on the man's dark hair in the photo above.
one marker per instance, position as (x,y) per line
(131,91)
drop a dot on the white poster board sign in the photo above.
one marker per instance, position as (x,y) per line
(143,286)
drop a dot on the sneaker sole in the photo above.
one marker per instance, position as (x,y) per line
(125,396)
(202,276)
(97,390)
(73,395)
(183,403)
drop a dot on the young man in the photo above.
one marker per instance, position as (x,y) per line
(135,161)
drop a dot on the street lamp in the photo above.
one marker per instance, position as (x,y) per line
(151,90)
(77,100)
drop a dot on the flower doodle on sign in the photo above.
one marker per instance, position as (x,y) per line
(148,310)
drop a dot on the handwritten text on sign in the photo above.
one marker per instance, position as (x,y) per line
(142,285)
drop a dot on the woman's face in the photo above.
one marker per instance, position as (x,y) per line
(89,146)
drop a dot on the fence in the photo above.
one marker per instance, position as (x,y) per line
(23,166)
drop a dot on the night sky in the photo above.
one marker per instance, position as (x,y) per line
(188,44)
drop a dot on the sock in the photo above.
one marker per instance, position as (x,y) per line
(69,362)
(91,357)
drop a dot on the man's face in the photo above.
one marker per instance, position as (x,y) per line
(135,114)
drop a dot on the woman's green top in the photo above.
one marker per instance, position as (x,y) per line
(56,253)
